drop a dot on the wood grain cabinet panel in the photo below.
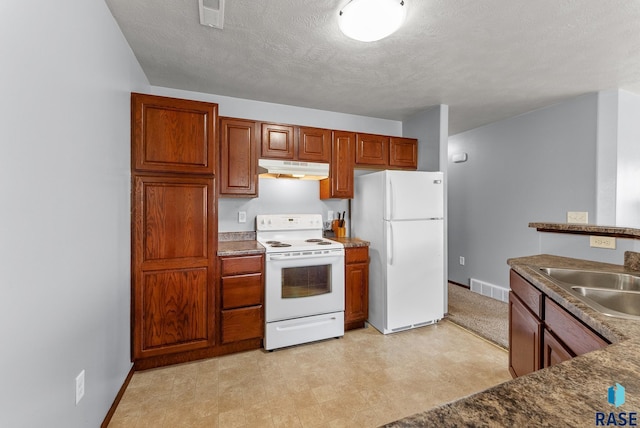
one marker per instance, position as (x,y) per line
(576,336)
(403,153)
(340,181)
(277,141)
(314,144)
(541,332)
(238,158)
(173,273)
(173,135)
(553,350)
(356,309)
(372,150)
(175,306)
(525,333)
(242,298)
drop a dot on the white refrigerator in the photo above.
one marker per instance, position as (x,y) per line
(401,214)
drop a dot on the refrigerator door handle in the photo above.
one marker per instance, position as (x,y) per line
(390,245)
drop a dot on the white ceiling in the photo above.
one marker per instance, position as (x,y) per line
(486,59)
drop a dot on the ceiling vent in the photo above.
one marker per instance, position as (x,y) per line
(212,13)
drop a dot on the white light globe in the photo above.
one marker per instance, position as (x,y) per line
(371,20)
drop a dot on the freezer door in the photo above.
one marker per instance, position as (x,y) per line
(412,195)
(415,273)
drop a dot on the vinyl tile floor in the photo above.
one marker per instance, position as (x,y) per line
(365,379)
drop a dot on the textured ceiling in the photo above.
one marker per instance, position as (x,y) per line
(486,59)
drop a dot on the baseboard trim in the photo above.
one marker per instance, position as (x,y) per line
(116,401)
(459,284)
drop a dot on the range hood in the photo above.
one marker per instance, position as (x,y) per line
(292,169)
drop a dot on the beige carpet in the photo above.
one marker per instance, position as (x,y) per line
(487,317)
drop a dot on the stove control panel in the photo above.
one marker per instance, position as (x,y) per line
(288,222)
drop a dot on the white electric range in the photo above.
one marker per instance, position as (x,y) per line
(304,280)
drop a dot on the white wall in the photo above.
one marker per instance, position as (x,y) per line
(65,80)
(282,196)
(628,161)
(532,167)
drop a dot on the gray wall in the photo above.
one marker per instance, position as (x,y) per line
(65,80)
(533,167)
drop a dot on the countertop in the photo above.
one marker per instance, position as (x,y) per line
(244,247)
(567,394)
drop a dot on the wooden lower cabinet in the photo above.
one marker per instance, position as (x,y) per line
(525,331)
(356,287)
(173,265)
(242,298)
(541,332)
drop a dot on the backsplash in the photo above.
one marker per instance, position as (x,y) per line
(632,260)
(277,196)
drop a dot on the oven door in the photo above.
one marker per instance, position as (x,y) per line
(303,284)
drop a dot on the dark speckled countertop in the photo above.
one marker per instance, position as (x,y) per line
(244,243)
(568,394)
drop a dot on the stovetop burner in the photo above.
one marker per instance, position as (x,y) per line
(293,233)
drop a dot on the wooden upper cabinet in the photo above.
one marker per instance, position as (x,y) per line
(277,141)
(403,152)
(173,135)
(238,158)
(372,150)
(340,181)
(314,144)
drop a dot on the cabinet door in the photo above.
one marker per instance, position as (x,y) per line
(173,265)
(357,293)
(173,135)
(525,331)
(238,158)
(403,152)
(340,181)
(314,145)
(277,141)
(553,350)
(372,150)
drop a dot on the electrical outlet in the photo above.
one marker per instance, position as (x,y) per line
(242,216)
(602,242)
(461,260)
(79,387)
(578,217)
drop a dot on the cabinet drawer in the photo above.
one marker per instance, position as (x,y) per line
(578,338)
(242,324)
(356,255)
(241,265)
(528,294)
(242,290)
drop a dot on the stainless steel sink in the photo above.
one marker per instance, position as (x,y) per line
(626,302)
(591,278)
(611,293)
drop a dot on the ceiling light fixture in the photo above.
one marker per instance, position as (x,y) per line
(371,20)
